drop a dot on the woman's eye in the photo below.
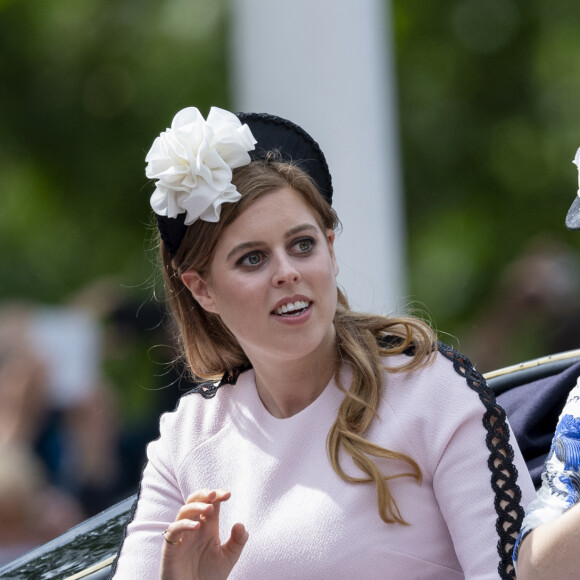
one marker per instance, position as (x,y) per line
(305,244)
(252,259)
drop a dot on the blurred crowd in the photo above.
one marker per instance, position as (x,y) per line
(72,438)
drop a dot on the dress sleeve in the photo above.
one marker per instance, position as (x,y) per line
(560,488)
(481,478)
(158,502)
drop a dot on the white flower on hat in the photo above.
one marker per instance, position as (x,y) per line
(193,161)
(576,160)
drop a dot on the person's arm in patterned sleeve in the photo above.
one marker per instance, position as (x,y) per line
(549,542)
(552,550)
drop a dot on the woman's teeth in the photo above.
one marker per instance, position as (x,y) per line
(291,307)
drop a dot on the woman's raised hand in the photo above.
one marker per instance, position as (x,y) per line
(192,549)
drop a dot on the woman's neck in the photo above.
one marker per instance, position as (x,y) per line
(288,387)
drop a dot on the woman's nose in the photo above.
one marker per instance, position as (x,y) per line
(286,272)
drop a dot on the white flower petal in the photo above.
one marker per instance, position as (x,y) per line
(187,116)
(193,162)
(159,202)
(230,138)
(576,160)
(212,214)
(222,120)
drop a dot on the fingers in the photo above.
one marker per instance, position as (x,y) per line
(174,534)
(209,495)
(236,543)
(195,510)
(203,504)
(192,541)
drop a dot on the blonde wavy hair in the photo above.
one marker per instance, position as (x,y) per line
(211,350)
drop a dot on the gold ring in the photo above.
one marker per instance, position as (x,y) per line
(169,541)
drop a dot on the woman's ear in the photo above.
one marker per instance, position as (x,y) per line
(199,289)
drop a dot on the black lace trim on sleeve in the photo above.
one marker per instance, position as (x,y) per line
(504,474)
(208,390)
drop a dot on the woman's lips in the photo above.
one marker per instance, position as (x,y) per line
(296,316)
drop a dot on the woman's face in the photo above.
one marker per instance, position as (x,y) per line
(273,280)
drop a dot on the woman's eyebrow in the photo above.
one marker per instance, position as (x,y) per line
(243,246)
(255,244)
(301,228)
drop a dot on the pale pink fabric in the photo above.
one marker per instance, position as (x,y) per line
(303,520)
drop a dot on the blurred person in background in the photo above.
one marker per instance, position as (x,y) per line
(32,510)
(57,401)
(138,355)
(534,308)
(23,390)
(79,442)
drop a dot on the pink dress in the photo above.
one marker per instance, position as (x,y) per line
(304,521)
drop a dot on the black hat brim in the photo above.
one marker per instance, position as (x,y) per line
(292,143)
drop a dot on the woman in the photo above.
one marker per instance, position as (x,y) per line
(327,443)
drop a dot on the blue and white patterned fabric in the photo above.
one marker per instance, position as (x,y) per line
(560,488)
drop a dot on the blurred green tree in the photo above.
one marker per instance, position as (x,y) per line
(83,88)
(488,93)
(487,98)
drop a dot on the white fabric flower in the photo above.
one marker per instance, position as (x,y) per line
(193,162)
(576,160)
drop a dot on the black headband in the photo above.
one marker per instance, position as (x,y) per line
(272,134)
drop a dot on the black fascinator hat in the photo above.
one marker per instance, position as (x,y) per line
(276,138)
(293,143)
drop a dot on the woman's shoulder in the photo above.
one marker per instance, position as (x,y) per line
(203,413)
(450,362)
(442,360)
(445,378)
(206,408)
